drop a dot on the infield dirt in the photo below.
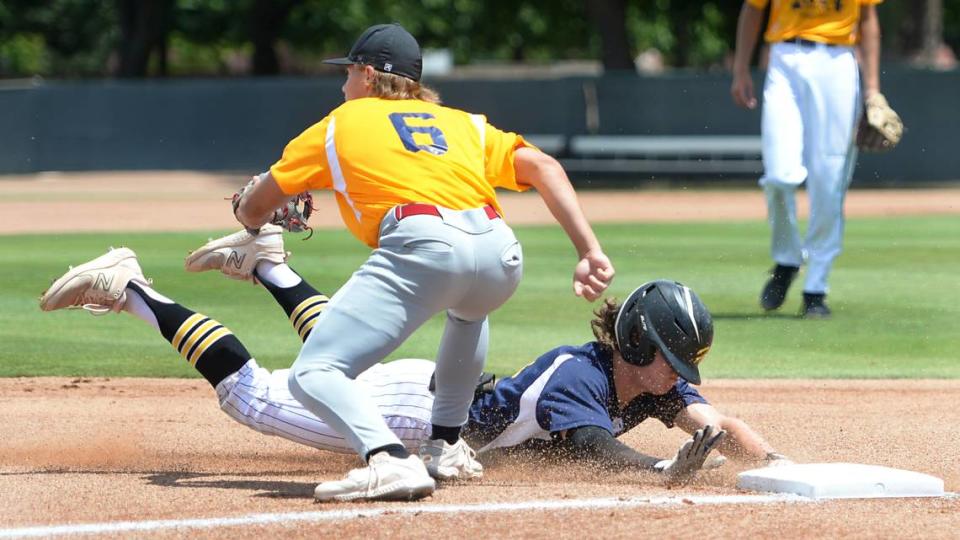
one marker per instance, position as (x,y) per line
(102,450)
(188,201)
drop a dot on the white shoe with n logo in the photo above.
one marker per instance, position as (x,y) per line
(445,461)
(237,254)
(385,478)
(99,286)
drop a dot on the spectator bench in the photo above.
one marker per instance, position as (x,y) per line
(679,155)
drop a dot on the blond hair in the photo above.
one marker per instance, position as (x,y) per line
(604,325)
(390,86)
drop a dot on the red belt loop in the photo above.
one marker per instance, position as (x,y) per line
(420,209)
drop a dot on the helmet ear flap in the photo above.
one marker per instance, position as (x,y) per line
(642,348)
(645,357)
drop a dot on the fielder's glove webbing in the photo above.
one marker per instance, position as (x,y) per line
(292,216)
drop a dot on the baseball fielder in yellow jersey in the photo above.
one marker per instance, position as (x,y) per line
(415,181)
(811,104)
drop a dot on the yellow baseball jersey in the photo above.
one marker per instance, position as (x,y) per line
(378,153)
(836,22)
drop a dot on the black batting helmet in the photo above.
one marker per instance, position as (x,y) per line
(668,316)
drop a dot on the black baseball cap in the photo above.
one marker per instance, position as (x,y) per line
(388,48)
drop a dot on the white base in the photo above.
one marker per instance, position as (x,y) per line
(841,481)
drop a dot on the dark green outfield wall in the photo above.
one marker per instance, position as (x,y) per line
(242,124)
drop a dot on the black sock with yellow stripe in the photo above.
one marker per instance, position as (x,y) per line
(302,304)
(208,345)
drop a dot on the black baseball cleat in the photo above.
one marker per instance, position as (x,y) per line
(775,291)
(814,306)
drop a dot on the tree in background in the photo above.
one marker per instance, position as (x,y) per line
(951,24)
(144,27)
(923,32)
(266,21)
(138,38)
(473,30)
(63,37)
(610,17)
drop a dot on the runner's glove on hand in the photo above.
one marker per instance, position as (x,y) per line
(690,457)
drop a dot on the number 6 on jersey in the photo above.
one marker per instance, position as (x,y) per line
(438,145)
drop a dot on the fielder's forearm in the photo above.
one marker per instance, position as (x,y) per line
(547,176)
(596,446)
(748,31)
(870,50)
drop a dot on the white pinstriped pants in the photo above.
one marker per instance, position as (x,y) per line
(811,101)
(261,400)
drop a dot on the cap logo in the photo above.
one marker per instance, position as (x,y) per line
(388,67)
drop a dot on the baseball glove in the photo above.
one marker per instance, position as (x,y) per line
(880,126)
(292,216)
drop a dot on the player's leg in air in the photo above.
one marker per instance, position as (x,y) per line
(248,393)
(262,259)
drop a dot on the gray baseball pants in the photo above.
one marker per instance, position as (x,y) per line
(463,262)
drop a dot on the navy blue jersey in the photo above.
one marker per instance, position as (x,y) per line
(566,388)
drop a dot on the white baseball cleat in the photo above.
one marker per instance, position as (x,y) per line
(98,286)
(237,254)
(445,461)
(385,478)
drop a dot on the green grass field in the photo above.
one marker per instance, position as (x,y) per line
(894,295)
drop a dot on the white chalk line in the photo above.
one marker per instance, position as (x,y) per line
(340,515)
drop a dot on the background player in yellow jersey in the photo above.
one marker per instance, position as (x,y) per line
(415,181)
(811,102)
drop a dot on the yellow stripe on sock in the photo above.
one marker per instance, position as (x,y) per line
(297,312)
(306,328)
(194,337)
(205,344)
(185,329)
(306,316)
